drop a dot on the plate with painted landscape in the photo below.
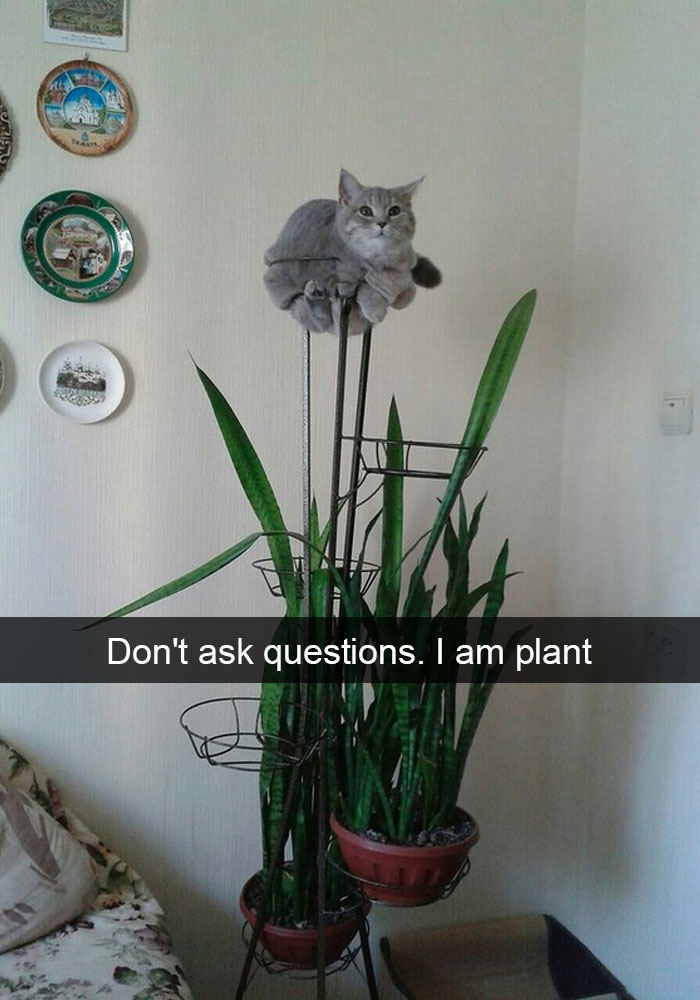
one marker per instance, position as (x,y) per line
(82,380)
(77,246)
(84,107)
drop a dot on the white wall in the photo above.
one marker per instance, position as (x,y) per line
(243,111)
(586,796)
(627,787)
(636,300)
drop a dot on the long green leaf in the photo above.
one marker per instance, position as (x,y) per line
(187,580)
(257,488)
(457,591)
(373,776)
(499,367)
(430,703)
(213,566)
(479,691)
(392,519)
(401,695)
(487,400)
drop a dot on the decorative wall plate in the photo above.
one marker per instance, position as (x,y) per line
(77,246)
(82,380)
(5,137)
(84,107)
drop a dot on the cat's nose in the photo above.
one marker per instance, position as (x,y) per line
(381,224)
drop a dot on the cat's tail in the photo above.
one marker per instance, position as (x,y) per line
(425,273)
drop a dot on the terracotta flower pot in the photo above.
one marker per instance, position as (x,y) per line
(297,946)
(403,876)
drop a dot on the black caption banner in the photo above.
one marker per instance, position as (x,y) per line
(162,650)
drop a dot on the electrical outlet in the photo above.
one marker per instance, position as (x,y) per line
(664,646)
(677,413)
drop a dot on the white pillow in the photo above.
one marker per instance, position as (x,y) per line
(46,876)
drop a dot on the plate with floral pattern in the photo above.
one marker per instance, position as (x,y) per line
(77,246)
(84,107)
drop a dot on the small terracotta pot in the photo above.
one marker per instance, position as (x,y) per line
(297,947)
(402,876)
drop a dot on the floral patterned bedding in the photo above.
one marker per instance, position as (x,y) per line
(118,949)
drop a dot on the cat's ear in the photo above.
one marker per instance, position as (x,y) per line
(348,187)
(408,190)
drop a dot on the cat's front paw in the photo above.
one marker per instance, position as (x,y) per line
(405,298)
(312,290)
(346,289)
(372,305)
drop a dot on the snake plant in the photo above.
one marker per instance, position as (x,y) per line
(400,754)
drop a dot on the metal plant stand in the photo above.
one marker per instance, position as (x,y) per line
(234,749)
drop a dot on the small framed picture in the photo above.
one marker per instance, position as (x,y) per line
(100,24)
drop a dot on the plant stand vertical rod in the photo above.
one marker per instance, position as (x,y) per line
(275,862)
(324,699)
(277,858)
(356,452)
(337,449)
(321,862)
(367,956)
(306,466)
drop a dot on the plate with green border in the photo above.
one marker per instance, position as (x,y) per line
(77,246)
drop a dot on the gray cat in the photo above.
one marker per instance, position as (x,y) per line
(359,246)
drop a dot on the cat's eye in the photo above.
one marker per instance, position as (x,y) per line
(366,211)
(394,210)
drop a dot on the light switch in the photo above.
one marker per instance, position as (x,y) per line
(677,413)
